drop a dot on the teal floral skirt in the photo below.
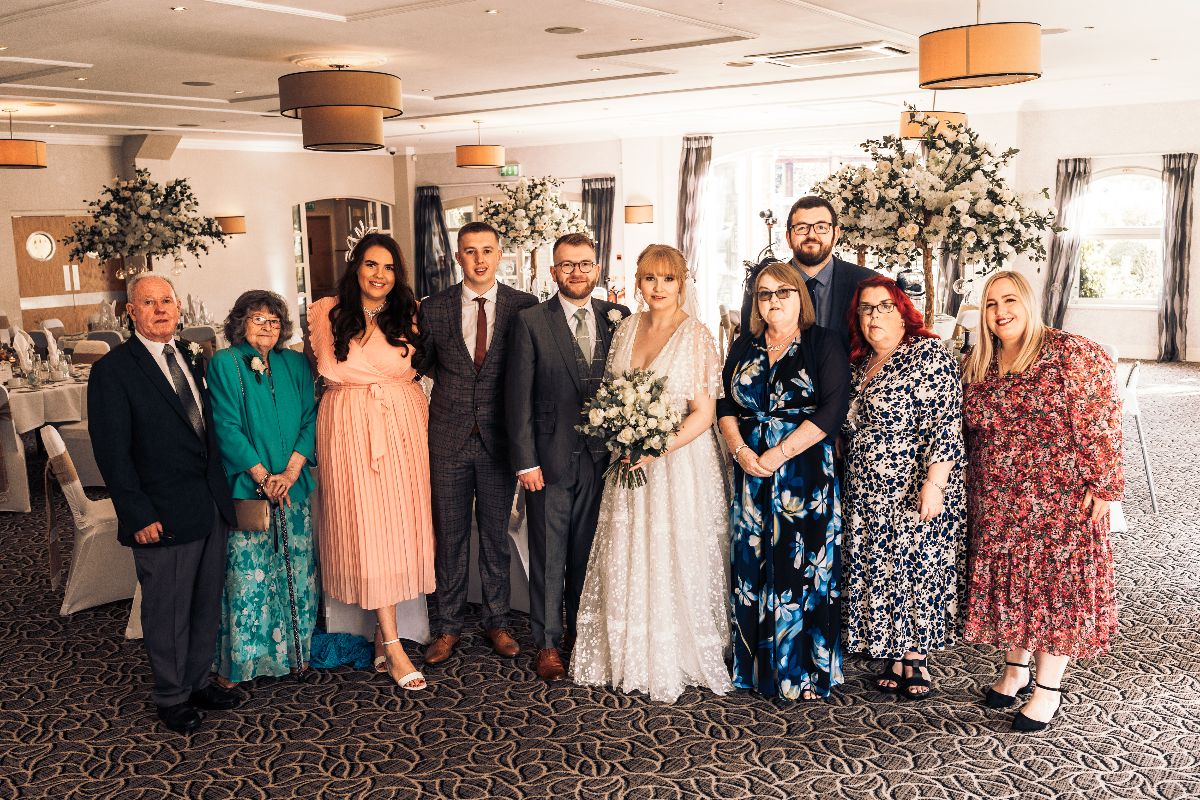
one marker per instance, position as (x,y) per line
(259,630)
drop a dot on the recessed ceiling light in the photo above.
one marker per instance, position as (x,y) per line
(197,83)
(3,47)
(179,8)
(739,63)
(595,69)
(424,90)
(1154,59)
(239,91)
(1089,27)
(564,29)
(81,79)
(53,126)
(492,11)
(187,125)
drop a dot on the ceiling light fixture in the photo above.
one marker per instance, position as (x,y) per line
(341,110)
(179,9)
(564,30)
(911,129)
(479,156)
(492,11)
(983,54)
(81,79)
(21,153)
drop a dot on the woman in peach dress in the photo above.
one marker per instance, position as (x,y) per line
(376,529)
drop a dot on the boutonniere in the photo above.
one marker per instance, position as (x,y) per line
(257,366)
(195,353)
(614,318)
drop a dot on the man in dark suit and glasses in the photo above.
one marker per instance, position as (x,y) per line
(152,434)
(559,350)
(812,233)
(464,336)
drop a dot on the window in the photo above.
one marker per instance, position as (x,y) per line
(1120,253)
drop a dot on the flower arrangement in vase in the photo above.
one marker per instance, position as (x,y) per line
(951,193)
(530,214)
(138,219)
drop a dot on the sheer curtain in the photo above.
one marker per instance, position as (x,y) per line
(599,197)
(1070,187)
(693,172)
(1179,175)
(434,268)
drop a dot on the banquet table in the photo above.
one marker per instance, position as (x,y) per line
(65,401)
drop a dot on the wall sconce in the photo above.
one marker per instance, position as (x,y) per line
(232,225)
(637,215)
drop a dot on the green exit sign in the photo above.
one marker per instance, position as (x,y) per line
(510,171)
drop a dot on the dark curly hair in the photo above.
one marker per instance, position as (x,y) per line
(397,319)
(257,300)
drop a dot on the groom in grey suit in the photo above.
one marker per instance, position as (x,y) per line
(555,363)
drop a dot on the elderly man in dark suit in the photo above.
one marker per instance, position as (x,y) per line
(152,433)
(559,349)
(464,333)
(812,233)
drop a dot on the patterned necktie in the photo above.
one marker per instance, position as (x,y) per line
(480,333)
(184,391)
(582,335)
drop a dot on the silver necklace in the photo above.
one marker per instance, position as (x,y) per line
(372,313)
(772,348)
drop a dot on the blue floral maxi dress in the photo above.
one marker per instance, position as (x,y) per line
(786,529)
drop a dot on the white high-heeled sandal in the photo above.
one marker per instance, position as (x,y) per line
(404,680)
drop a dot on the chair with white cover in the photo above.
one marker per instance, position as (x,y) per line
(5,326)
(204,335)
(14,483)
(78,440)
(112,338)
(40,347)
(1131,408)
(102,569)
(54,327)
(89,351)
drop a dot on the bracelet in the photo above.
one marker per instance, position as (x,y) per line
(739,449)
(783,449)
(936,485)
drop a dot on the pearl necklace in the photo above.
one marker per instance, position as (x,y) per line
(372,313)
(772,348)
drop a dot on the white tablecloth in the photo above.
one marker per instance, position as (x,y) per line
(60,402)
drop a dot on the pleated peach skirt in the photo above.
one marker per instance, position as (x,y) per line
(376,534)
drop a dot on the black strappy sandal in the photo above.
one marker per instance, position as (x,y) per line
(916,680)
(994,699)
(1024,724)
(890,675)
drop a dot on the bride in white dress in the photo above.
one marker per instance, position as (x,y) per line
(654,615)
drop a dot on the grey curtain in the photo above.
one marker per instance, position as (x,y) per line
(1179,173)
(951,272)
(693,174)
(434,267)
(599,197)
(1069,189)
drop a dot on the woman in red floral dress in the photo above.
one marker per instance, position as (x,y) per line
(1044,461)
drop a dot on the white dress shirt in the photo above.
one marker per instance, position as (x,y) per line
(160,358)
(470,315)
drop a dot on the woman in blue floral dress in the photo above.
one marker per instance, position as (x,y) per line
(786,392)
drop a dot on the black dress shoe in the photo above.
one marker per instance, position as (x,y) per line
(181,717)
(214,698)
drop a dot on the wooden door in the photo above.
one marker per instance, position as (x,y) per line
(57,287)
(322,264)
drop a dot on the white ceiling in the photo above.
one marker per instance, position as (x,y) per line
(640,68)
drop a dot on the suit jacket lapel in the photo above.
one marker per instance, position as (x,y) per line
(154,372)
(563,337)
(499,324)
(454,321)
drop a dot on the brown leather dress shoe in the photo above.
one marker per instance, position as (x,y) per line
(502,642)
(440,648)
(549,666)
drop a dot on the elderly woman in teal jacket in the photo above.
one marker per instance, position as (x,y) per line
(264,410)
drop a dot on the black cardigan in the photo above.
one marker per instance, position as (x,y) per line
(821,352)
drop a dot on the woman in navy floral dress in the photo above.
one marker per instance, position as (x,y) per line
(904,549)
(785,395)
(1044,461)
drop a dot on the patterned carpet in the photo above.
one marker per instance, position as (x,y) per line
(75,721)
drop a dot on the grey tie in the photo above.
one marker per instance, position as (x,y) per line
(581,334)
(184,391)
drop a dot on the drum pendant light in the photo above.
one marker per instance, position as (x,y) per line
(341,110)
(21,153)
(911,129)
(983,54)
(479,156)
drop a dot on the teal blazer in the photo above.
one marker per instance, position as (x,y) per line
(276,417)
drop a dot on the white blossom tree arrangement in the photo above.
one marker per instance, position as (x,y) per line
(949,194)
(530,214)
(141,217)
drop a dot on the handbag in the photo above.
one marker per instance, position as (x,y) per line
(254,515)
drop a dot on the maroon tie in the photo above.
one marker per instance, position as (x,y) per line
(480,333)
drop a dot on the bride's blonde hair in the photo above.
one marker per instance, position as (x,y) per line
(976,365)
(662,259)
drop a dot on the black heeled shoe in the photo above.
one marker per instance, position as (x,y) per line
(916,680)
(994,699)
(889,674)
(1024,724)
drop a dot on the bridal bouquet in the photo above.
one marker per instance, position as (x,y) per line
(630,414)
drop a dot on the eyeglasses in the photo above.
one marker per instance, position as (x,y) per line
(567,267)
(819,228)
(270,322)
(782,293)
(868,310)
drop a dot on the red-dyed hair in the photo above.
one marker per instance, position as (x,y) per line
(914,321)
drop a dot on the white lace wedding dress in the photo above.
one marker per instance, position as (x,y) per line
(654,613)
